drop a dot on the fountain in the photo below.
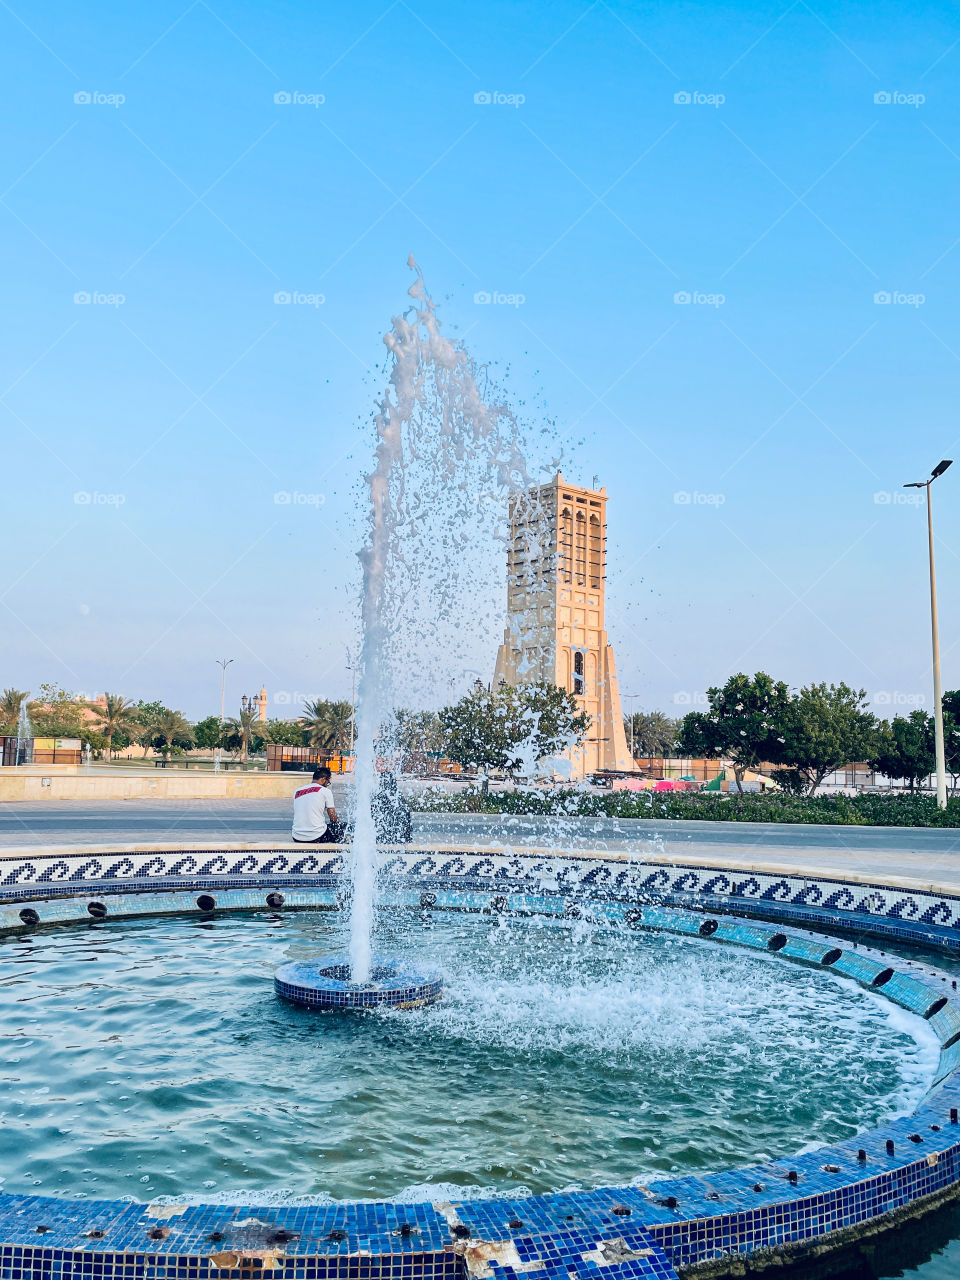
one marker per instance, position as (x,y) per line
(642,1065)
(24,736)
(448,457)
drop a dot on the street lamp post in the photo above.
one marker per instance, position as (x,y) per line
(222,663)
(352,668)
(633,756)
(938,470)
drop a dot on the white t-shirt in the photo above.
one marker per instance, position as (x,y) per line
(310,805)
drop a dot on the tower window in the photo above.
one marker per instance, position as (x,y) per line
(596,553)
(565,545)
(580,550)
(578,671)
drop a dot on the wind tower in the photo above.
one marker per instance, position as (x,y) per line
(556,578)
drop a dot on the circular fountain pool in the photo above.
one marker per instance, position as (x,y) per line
(151,1058)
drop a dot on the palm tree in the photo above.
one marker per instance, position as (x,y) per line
(10,702)
(242,728)
(337,721)
(328,724)
(312,720)
(117,715)
(173,729)
(654,734)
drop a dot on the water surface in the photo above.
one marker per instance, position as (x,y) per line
(152,1058)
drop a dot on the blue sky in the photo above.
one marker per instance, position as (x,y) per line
(783,196)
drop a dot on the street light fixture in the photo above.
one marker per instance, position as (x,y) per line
(938,470)
(222,663)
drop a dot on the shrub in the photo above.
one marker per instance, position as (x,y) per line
(839,810)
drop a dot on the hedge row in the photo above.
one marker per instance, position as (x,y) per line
(841,810)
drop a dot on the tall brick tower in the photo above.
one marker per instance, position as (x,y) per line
(556,575)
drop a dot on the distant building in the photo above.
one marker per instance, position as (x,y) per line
(556,574)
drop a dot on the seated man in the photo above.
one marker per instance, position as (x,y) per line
(314,816)
(391,813)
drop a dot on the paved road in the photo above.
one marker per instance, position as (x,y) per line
(98,821)
(911,856)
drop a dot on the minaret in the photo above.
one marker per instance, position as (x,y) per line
(556,577)
(260,701)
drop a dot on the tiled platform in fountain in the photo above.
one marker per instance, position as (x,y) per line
(326,984)
(605,1234)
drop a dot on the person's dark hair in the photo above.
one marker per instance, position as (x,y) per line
(321,772)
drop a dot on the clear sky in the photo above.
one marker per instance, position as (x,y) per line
(619,154)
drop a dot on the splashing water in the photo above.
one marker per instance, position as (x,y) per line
(24,732)
(448,457)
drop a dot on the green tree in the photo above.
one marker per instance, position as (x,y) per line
(171,732)
(313,722)
(418,735)
(337,721)
(118,715)
(56,713)
(207,733)
(828,726)
(654,734)
(512,728)
(905,748)
(951,733)
(328,724)
(745,724)
(149,715)
(286,733)
(474,734)
(240,731)
(11,701)
(98,742)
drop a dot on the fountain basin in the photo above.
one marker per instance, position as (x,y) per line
(325,983)
(815,1201)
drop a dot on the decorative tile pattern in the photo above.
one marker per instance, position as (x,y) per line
(929,918)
